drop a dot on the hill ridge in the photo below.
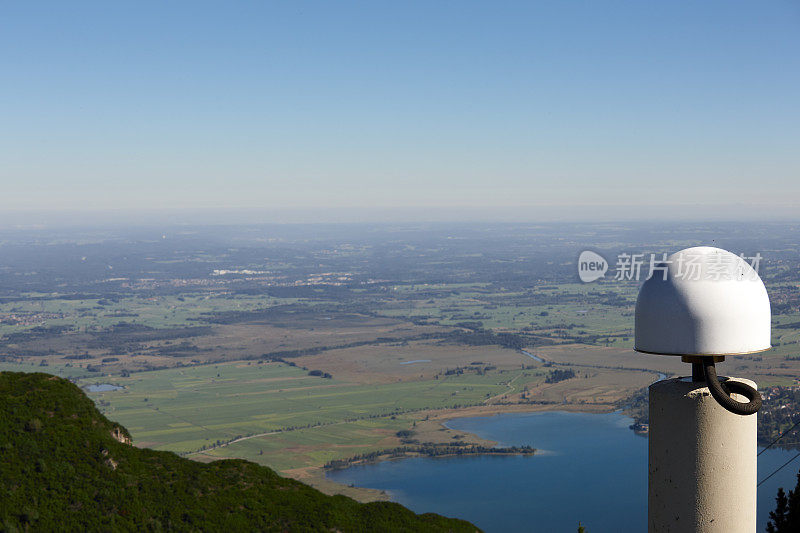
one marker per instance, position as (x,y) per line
(67,467)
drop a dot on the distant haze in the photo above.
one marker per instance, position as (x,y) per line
(257,111)
(51,219)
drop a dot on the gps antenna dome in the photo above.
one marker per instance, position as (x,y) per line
(702,304)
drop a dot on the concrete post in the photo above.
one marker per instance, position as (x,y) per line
(702,474)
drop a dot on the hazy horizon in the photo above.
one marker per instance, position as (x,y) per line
(49,219)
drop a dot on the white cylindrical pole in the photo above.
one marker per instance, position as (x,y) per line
(702,473)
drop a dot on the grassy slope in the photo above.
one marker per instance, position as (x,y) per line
(63,470)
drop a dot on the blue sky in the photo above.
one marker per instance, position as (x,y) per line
(198,105)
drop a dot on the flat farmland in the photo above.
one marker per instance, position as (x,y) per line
(414,360)
(249,332)
(593,386)
(610,357)
(253,339)
(773,367)
(591,309)
(312,447)
(68,372)
(158,311)
(187,409)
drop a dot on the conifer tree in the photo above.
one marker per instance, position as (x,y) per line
(786,516)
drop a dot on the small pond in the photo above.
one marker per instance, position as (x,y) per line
(103,387)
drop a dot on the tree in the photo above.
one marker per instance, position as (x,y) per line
(778,517)
(786,516)
(581,529)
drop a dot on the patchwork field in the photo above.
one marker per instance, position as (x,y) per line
(767,369)
(415,360)
(203,406)
(279,331)
(604,308)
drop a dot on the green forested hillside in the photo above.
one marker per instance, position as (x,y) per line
(64,466)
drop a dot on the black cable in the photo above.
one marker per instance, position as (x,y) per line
(780,437)
(722,391)
(778,470)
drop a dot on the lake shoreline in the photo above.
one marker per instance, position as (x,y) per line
(391,456)
(437,419)
(512,493)
(448,415)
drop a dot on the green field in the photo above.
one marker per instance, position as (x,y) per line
(503,310)
(318,445)
(70,372)
(188,409)
(155,311)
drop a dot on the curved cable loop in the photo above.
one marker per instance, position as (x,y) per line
(722,391)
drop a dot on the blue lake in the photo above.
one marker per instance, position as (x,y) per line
(592,468)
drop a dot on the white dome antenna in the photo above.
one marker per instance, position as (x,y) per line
(705,303)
